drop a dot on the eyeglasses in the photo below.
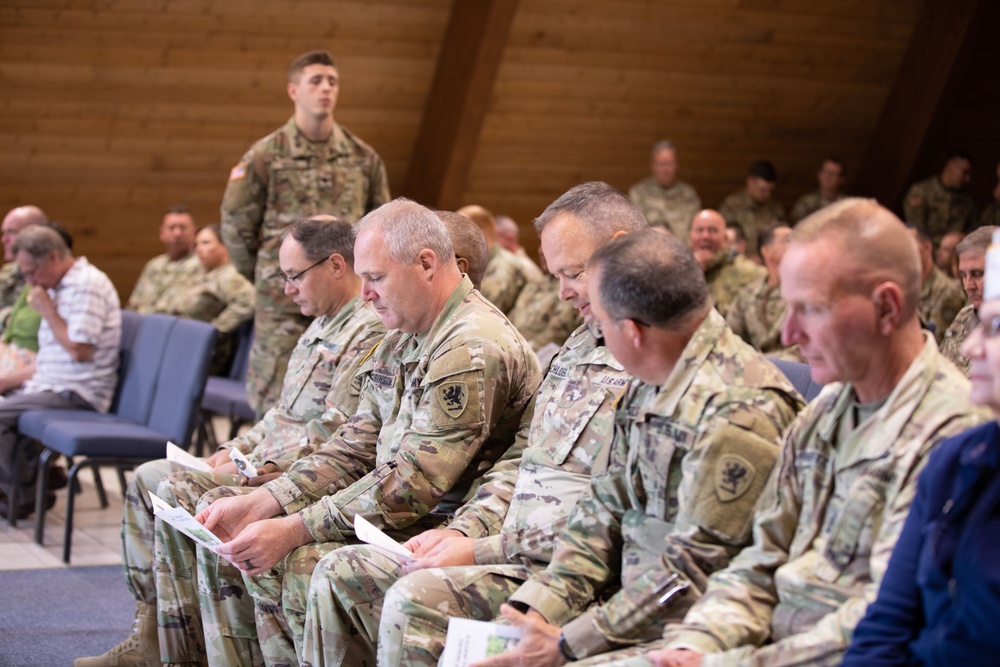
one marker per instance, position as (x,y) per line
(294,280)
(596,326)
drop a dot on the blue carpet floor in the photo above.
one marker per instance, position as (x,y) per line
(49,617)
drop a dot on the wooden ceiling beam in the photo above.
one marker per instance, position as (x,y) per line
(463,82)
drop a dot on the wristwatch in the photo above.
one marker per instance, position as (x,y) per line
(564,650)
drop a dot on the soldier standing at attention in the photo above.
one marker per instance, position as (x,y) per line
(664,200)
(830,178)
(849,463)
(174,271)
(938,203)
(753,207)
(971,269)
(309,166)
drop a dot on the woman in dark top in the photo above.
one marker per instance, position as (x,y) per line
(939,603)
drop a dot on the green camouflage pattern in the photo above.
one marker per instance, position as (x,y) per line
(989,216)
(11,283)
(222,297)
(437,410)
(160,282)
(938,209)
(562,440)
(672,208)
(504,278)
(541,316)
(753,217)
(838,500)
(726,275)
(809,204)
(960,328)
(282,179)
(688,464)
(941,299)
(756,315)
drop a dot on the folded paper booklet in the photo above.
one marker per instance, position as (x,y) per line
(181,519)
(243,463)
(178,455)
(468,641)
(368,532)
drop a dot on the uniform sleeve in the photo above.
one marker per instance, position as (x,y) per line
(239,297)
(138,300)
(243,206)
(736,319)
(379,192)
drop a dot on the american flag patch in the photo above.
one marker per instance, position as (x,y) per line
(238,172)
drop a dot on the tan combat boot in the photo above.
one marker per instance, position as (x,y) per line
(140,649)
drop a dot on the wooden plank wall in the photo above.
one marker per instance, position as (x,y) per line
(113,109)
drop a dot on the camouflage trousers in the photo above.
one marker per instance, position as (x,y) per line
(226,605)
(276,332)
(416,609)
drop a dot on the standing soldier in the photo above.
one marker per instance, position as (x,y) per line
(309,166)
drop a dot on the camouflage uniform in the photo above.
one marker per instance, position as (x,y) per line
(809,204)
(566,436)
(756,315)
(960,328)
(727,275)
(504,278)
(991,214)
(541,316)
(941,298)
(938,209)
(319,394)
(160,281)
(283,178)
(11,283)
(838,501)
(686,469)
(753,217)
(531,270)
(672,207)
(437,410)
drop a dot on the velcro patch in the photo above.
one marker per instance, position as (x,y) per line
(238,172)
(733,477)
(453,397)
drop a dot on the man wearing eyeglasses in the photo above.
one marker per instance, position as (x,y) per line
(971,253)
(309,166)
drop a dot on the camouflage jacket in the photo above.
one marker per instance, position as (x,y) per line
(727,275)
(562,439)
(504,278)
(321,389)
(284,178)
(941,298)
(223,297)
(756,315)
(990,215)
(753,217)
(688,463)
(162,280)
(810,203)
(541,316)
(672,207)
(11,283)
(437,410)
(838,500)
(938,209)
(960,328)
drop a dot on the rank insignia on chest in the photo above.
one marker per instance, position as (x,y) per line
(733,477)
(453,397)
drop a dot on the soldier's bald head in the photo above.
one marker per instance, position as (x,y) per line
(872,246)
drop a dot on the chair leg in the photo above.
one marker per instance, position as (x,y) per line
(41,493)
(15,483)
(235,423)
(69,464)
(70,504)
(99,485)
(122,482)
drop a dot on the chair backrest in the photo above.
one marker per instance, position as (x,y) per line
(241,358)
(141,364)
(800,377)
(131,321)
(186,358)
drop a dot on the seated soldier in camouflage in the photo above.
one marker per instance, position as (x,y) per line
(725,274)
(695,442)
(505,276)
(754,206)
(319,394)
(830,178)
(849,464)
(971,253)
(940,204)
(940,297)
(559,444)
(441,400)
(540,313)
(665,200)
(176,269)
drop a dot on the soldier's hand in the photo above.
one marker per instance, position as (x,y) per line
(671,657)
(219,458)
(228,517)
(265,474)
(538,646)
(427,540)
(450,550)
(263,544)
